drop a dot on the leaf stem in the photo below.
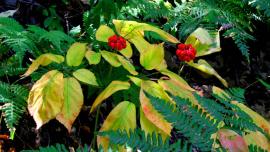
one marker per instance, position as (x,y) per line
(93,142)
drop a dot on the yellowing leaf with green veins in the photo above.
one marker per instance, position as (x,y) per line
(140,43)
(111,58)
(46,97)
(127,65)
(153,57)
(162,66)
(149,128)
(122,117)
(127,52)
(86,76)
(103,33)
(206,68)
(177,78)
(129,29)
(154,89)
(135,80)
(153,116)
(92,57)
(113,87)
(73,101)
(76,53)
(257,138)
(203,42)
(43,60)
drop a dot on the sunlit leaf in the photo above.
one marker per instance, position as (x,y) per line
(122,117)
(86,76)
(135,80)
(75,54)
(203,42)
(103,33)
(203,66)
(257,138)
(92,57)
(153,116)
(127,65)
(231,141)
(46,97)
(43,60)
(73,101)
(153,57)
(113,87)
(127,52)
(111,58)
(149,128)
(130,29)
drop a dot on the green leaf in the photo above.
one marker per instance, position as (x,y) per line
(122,117)
(73,101)
(111,58)
(46,97)
(92,57)
(113,87)
(75,54)
(264,84)
(103,33)
(203,66)
(44,60)
(85,76)
(153,57)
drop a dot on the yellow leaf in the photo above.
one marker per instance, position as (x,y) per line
(154,89)
(257,138)
(75,54)
(203,66)
(113,87)
(92,57)
(46,97)
(130,28)
(162,66)
(135,80)
(111,58)
(86,76)
(153,57)
(127,52)
(73,101)
(140,43)
(103,33)
(44,60)
(153,116)
(122,117)
(149,128)
(127,65)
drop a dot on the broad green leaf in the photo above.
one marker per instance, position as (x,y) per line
(127,65)
(203,42)
(127,52)
(203,66)
(122,117)
(231,141)
(153,57)
(73,101)
(149,128)
(86,76)
(46,97)
(76,53)
(113,87)
(130,29)
(257,138)
(103,33)
(92,57)
(153,116)
(111,58)
(44,60)
(135,80)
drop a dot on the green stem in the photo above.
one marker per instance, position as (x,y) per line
(93,143)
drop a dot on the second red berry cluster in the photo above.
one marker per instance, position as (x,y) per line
(117,42)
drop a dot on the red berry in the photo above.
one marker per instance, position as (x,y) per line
(186,52)
(117,42)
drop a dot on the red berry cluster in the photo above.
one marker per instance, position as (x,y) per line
(117,42)
(185,52)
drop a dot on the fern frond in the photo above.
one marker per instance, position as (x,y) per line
(11,24)
(255,148)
